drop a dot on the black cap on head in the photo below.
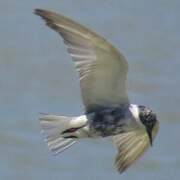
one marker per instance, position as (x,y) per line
(148,118)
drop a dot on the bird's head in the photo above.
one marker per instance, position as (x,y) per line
(149,120)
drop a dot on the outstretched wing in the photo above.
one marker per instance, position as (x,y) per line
(101,67)
(131,146)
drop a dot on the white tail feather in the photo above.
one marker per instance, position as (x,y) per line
(53,128)
(60,144)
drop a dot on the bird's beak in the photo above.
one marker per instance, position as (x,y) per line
(153,132)
(149,132)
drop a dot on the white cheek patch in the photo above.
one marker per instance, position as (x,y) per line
(135,111)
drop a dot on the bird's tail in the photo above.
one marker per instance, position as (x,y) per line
(61,132)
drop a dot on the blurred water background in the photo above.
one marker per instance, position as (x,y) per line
(37,75)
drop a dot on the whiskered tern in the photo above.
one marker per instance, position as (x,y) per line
(108,111)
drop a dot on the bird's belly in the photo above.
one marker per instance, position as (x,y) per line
(109,121)
(107,124)
(105,129)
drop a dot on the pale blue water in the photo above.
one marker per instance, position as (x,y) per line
(37,75)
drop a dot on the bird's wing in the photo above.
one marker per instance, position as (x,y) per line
(131,146)
(101,67)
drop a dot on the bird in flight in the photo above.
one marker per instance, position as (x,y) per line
(108,111)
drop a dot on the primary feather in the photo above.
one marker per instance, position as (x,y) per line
(131,145)
(101,67)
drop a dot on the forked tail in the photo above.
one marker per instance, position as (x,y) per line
(61,132)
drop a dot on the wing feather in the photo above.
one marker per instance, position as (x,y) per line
(131,146)
(102,69)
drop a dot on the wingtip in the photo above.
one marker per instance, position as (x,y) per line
(121,168)
(41,12)
(38,11)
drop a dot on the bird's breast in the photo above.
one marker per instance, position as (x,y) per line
(108,122)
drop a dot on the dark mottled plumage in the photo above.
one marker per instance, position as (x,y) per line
(110,121)
(148,118)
